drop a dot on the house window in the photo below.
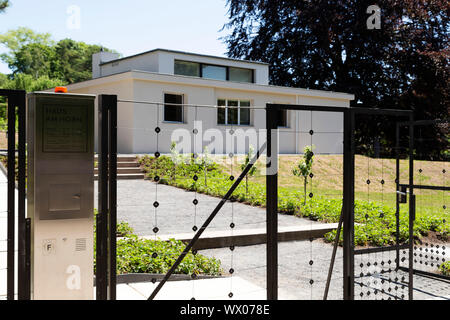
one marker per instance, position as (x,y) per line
(240,74)
(173,107)
(282,118)
(214,72)
(186,68)
(233,112)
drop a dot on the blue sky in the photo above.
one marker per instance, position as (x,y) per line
(128,26)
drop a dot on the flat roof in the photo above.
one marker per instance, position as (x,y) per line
(184,52)
(187,80)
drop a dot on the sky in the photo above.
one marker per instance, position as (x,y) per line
(127,26)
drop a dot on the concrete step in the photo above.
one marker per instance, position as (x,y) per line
(127,164)
(247,237)
(124,170)
(121,158)
(130,176)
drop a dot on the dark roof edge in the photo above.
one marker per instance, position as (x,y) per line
(182,52)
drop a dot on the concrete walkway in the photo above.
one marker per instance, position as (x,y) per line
(176,213)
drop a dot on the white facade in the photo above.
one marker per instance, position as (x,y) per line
(149,76)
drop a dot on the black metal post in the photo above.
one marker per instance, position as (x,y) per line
(106,261)
(272,202)
(397,196)
(112,198)
(348,205)
(101,272)
(23,274)
(412,208)
(11,195)
(27,272)
(333,255)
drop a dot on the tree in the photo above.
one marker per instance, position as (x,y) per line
(3,5)
(15,40)
(35,59)
(206,163)
(326,45)
(304,167)
(251,172)
(29,83)
(37,55)
(74,60)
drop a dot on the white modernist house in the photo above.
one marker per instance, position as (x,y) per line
(175,90)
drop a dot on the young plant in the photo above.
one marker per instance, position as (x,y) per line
(252,171)
(175,156)
(304,167)
(206,162)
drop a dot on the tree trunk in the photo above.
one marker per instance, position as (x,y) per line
(304,189)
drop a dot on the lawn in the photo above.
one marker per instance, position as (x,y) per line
(375,201)
(327,180)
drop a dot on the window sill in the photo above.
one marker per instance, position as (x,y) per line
(234,125)
(173,122)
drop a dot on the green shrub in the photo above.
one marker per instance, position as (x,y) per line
(135,255)
(444,268)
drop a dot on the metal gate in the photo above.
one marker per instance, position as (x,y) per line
(375,271)
(386,280)
(432,196)
(313,133)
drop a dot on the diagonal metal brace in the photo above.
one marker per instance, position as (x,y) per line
(208,221)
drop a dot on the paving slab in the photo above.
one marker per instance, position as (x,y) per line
(205,289)
(246,237)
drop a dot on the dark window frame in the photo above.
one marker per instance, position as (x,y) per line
(226,108)
(227,70)
(173,104)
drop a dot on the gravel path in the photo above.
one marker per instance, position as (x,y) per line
(295,272)
(176,212)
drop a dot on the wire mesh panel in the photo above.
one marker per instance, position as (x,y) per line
(191,155)
(310,191)
(431,187)
(383,225)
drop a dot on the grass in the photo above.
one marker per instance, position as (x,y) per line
(374,206)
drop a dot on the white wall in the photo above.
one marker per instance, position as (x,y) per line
(161,61)
(137,121)
(125,116)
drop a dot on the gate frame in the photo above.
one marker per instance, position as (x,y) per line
(411,212)
(411,186)
(348,201)
(106,220)
(106,279)
(17,106)
(272,193)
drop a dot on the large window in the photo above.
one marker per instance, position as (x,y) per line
(240,74)
(282,118)
(186,68)
(214,72)
(210,71)
(233,112)
(173,107)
